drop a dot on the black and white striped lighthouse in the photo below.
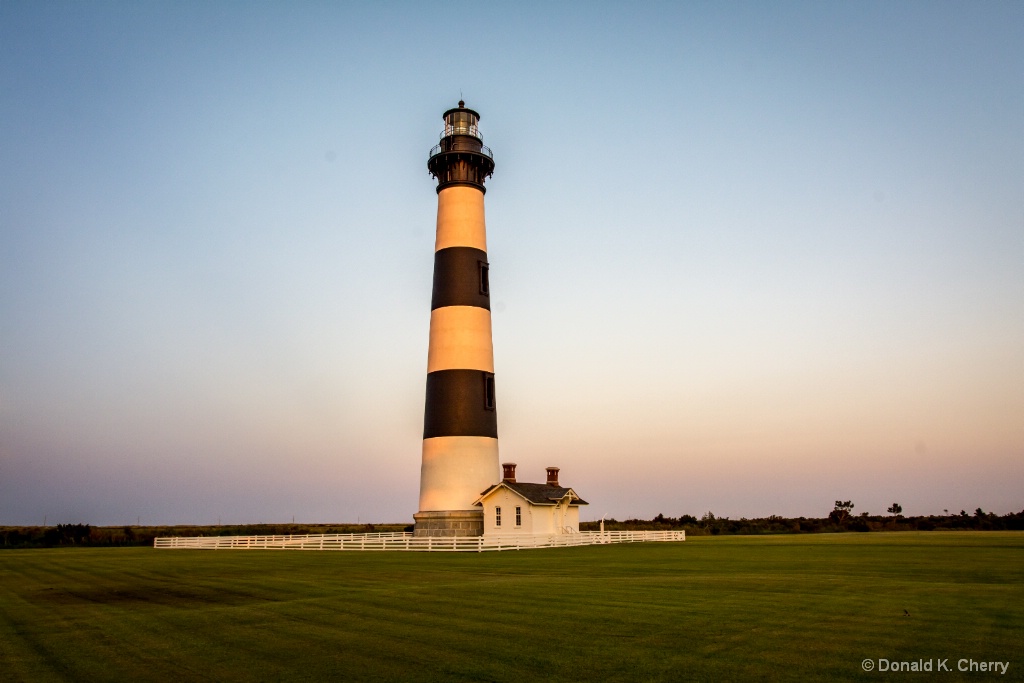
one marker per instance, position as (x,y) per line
(460,425)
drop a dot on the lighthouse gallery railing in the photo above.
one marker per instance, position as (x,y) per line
(436,149)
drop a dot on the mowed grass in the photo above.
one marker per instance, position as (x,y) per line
(808,607)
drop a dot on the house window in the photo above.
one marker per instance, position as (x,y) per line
(488,391)
(497,516)
(519,516)
(485,283)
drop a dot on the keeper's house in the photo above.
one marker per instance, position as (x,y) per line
(512,507)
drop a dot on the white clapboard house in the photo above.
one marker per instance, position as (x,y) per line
(512,507)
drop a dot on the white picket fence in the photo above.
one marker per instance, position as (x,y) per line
(406,541)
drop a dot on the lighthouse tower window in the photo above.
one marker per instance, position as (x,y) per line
(485,284)
(488,391)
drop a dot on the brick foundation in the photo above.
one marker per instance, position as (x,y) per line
(449,523)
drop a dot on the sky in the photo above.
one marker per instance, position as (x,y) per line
(747,258)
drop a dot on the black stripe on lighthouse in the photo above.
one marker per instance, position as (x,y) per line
(461,278)
(460,403)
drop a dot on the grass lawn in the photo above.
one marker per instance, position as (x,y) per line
(802,607)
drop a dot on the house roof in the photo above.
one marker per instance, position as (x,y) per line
(538,494)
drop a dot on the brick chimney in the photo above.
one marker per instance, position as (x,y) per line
(509,473)
(552,476)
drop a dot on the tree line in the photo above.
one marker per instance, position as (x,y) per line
(70,535)
(840,519)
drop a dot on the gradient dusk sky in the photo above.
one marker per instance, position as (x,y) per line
(745,257)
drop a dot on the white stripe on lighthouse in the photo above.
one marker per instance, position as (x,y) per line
(460,218)
(456,470)
(460,338)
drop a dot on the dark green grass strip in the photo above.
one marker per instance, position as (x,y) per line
(725,608)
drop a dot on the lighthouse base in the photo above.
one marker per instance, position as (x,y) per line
(449,523)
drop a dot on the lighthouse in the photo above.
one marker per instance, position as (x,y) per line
(460,423)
